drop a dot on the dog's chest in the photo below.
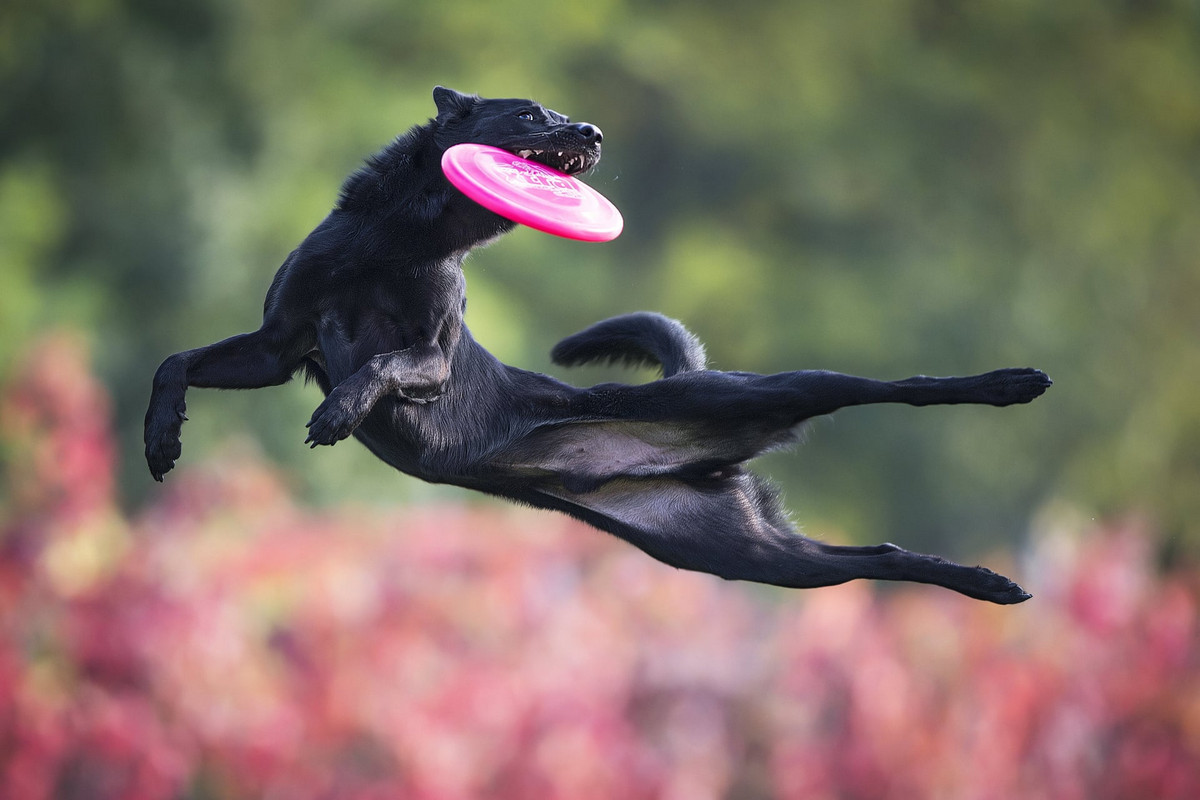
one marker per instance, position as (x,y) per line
(366,318)
(347,341)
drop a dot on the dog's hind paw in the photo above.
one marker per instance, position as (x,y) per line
(988,585)
(1007,387)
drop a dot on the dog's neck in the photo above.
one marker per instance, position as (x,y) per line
(404,181)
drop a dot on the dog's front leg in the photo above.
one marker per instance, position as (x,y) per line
(267,357)
(417,375)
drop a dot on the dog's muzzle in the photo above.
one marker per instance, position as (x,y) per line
(571,149)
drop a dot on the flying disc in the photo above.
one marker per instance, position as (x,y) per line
(531,194)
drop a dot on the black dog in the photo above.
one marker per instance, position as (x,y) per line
(370,305)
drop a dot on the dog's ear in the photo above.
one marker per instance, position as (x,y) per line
(452,104)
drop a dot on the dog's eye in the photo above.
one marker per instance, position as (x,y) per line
(526,115)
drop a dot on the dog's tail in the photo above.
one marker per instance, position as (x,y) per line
(636,339)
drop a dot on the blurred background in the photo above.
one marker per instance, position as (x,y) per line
(880,188)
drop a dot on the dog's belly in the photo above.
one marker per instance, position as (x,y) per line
(392,431)
(443,441)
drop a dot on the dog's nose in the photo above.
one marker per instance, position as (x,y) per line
(590,133)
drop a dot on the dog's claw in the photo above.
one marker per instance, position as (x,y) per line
(311,439)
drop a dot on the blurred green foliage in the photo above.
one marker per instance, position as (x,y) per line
(877,187)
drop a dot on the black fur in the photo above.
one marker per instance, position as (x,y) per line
(370,305)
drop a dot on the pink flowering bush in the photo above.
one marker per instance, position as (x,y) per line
(228,642)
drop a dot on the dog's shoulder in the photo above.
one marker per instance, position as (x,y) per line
(390,173)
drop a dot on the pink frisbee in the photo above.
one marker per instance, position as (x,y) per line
(531,194)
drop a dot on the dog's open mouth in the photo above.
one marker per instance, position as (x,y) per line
(571,162)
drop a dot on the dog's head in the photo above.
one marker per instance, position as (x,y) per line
(523,127)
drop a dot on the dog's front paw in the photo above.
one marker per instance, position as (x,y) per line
(334,420)
(163,446)
(1017,385)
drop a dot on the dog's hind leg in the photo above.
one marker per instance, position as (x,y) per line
(796,396)
(701,422)
(722,418)
(731,526)
(829,391)
(645,338)
(888,562)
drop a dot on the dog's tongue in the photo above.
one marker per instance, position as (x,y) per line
(531,194)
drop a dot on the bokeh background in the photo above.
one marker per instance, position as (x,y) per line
(882,188)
